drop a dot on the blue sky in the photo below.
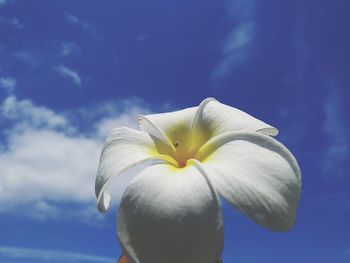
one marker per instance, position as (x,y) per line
(72,70)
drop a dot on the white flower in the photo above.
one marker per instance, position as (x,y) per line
(170,211)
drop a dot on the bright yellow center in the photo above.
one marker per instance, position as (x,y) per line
(183,146)
(182,155)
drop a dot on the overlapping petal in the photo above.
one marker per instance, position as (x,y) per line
(124,148)
(171,127)
(214,118)
(170,212)
(256,174)
(170,215)
(190,128)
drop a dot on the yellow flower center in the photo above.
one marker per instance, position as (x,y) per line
(182,154)
(181,146)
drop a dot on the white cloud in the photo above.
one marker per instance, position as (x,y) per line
(105,116)
(239,37)
(70,74)
(44,255)
(8,84)
(25,113)
(31,57)
(237,47)
(86,26)
(237,50)
(126,118)
(3,2)
(68,48)
(72,19)
(11,21)
(244,10)
(46,161)
(337,154)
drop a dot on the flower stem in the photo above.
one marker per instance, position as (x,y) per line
(123,259)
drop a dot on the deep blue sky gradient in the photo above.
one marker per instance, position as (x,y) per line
(291,69)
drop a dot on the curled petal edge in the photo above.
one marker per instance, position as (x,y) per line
(104,198)
(197,115)
(199,167)
(269,131)
(129,250)
(152,129)
(288,198)
(214,143)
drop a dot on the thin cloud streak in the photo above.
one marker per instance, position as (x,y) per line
(239,38)
(69,74)
(8,84)
(237,47)
(69,48)
(86,26)
(44,255)
(337,152)
(14,22)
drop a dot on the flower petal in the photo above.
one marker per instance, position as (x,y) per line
(124,149)
(172,127)
(152,129)
(213,118)
(170,215)
(256,174)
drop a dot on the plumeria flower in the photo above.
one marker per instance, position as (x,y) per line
(170,212)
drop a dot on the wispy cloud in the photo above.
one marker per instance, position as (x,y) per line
(8,84)
(69,74)
(47,162)
(3,2)
(86,26)
(239,38)
(244,10)
(72,19)
(11,21)
(68,48)
(337,154)
(33,58)
(43,255)
(25,114)
(236,48)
